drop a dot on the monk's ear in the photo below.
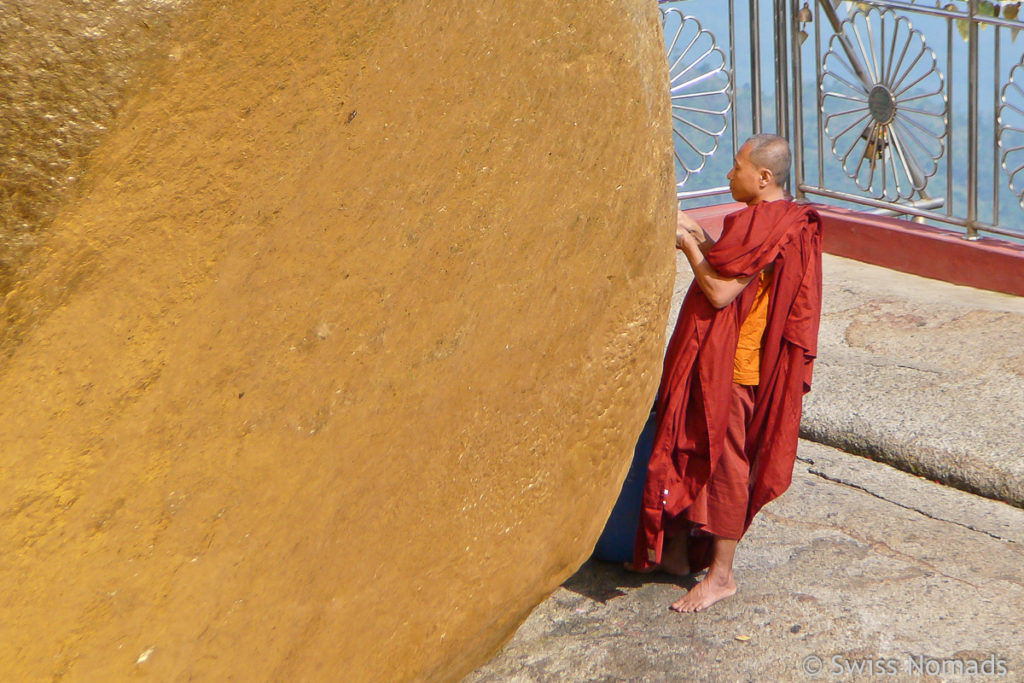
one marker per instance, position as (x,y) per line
(766,177)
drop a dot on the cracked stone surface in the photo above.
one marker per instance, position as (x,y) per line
(858,565)
(921,374)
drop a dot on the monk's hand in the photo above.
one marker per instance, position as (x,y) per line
(688,232)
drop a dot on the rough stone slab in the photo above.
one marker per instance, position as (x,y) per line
(922,374)
(856,563)
(331,364)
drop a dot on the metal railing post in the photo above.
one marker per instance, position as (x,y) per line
(755,66)
(972,121)
(781,69)
(732,76)
(798,109)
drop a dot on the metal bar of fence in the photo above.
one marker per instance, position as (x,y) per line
(798,107)
(697,194)
(782,48)
(995,134)
(949,120)
(930,203)
(732,74)
(905,209)
(996,230)
(908,210)
(755,65)
(972,123)
(818,97)
(882,204)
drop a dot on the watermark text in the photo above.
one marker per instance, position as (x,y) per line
(834,666)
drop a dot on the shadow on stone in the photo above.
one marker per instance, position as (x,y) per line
(603,581)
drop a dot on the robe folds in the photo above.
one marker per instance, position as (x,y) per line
(702,348)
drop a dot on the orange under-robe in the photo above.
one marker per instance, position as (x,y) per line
(746,365)
(698,399)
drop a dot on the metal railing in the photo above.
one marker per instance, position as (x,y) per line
(892,107)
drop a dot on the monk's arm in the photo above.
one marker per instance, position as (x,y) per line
(719,290)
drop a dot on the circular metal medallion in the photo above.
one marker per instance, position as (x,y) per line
(881,104)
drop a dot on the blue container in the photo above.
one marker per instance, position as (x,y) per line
(616,542)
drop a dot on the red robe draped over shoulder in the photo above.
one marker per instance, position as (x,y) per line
(702,348)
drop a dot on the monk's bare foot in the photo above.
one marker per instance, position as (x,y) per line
(706,593)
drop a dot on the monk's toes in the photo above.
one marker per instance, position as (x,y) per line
(681,605)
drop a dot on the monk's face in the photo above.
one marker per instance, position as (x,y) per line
(745,178)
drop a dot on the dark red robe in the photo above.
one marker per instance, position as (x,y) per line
(702,349)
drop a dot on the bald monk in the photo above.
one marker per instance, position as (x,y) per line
(736,370)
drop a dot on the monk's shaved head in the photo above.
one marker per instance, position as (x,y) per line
(771,152)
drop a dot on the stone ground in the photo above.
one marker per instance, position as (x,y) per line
(858,567)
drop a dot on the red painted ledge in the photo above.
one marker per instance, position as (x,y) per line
(985,263)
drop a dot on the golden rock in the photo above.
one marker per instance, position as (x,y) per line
(327,341)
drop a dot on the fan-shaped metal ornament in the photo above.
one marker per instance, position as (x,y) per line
(884,104)
(1011,131)
(699,88)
